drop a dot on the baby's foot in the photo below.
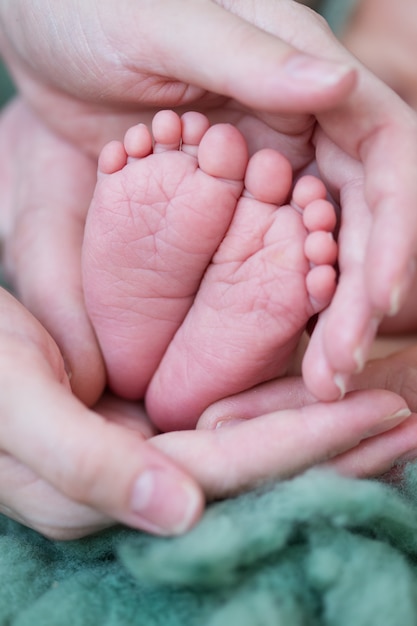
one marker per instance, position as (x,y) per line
(157,216)
(271,273)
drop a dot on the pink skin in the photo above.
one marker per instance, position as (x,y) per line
(372,125)
(74,470)
(306,92)
(155,223)
(328,364)
(44,203)
(382,34)
(393,367)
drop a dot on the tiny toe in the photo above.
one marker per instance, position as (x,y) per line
(194,126)
(138,141)
(307,189)
(320,248)
(321,286)
(223,152)
(166,129)
(320,215)
(112,158)
(268,177)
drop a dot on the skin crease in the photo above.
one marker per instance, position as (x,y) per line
(104,493)
(83,116)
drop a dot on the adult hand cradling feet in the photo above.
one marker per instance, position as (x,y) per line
(68,471)
(112,80)
(120,64)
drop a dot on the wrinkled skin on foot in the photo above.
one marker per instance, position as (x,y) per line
(188,319)
(132,58)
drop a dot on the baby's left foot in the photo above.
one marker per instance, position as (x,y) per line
(271,273)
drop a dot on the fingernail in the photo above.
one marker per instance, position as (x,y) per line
(359,360)
(163,503)
(400,291)
(67,367)
(411,455)
(395,301)
(304,68)
(388,422)
(366,343)
(229,422)
(340,382)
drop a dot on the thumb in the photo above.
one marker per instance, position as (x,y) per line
(232,57)
(91,461)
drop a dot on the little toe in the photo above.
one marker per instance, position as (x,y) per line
(166,130)
(194,126)
(138,141)
(223,153)
(320,248)
(321,286)
(112,158)
(268,177)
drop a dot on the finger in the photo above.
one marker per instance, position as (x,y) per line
(280,76)
(376,127)
(392,190)
(128,414)
(280,444)
(33,502)
(396,372)
(377,455)
(283,393)
(45,253)
(92,462)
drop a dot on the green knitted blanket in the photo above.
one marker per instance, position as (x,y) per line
(315,550)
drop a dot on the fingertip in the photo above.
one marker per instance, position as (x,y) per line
(164,502)
(321,72)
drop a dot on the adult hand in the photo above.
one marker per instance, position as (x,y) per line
(68,471)
(131,59)
(260,410)
(89,68)
(46,186)
(65,470)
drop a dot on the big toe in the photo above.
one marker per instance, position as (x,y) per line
(223,152)
(268,177)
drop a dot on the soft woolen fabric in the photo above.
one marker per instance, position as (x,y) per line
(315,550)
